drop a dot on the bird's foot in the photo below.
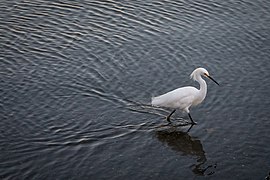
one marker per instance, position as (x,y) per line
(193,123)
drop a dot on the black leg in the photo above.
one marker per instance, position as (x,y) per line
(191,119)
(168,117)
(190,127)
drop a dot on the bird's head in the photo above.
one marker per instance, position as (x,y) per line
(195,75)
(198,72)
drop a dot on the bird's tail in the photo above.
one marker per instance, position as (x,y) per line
(153,101)
(156,101)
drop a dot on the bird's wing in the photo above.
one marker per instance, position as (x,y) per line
(178,98)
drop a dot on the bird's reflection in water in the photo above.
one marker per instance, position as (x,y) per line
(188,146)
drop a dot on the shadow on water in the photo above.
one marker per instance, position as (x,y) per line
(188,146)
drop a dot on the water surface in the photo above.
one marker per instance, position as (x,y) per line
(76,81)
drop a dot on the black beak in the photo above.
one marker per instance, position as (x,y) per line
(212,79)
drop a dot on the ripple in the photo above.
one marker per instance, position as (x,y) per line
(77,78)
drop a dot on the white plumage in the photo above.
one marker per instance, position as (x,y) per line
(185,97)
(178,98)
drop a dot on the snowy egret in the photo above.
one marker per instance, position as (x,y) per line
(185,97)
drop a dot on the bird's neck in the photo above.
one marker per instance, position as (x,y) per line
(203,88)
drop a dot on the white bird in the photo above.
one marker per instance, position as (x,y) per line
(185,97)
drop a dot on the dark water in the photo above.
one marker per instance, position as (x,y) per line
(76,80)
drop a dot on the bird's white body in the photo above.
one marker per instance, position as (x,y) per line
(185,97)
(181,98)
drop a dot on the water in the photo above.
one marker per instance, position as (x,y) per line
(77,78)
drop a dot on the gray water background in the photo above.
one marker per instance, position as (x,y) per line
(77,78)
